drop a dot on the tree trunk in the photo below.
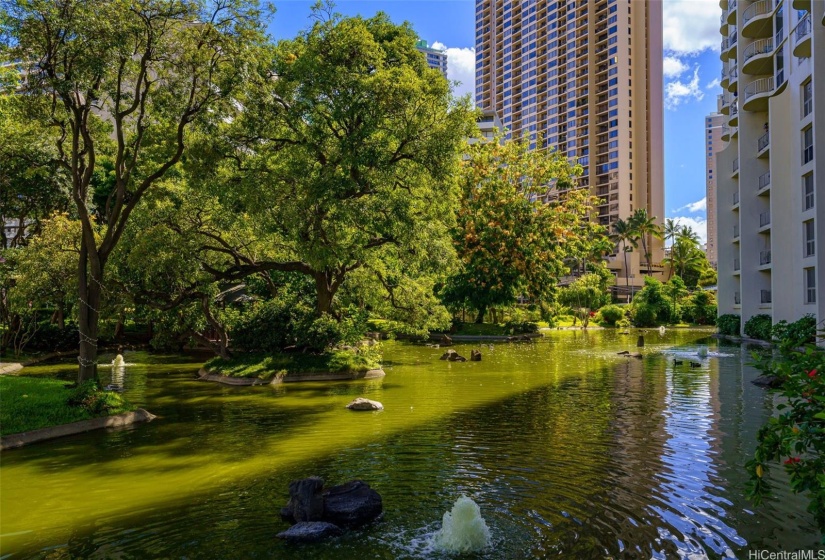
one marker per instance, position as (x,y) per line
(223,339)
(89,288)
(482,311)
(324,293)
(626,273)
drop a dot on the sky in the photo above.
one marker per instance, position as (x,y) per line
(691,75)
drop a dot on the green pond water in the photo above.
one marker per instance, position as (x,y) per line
(569,450)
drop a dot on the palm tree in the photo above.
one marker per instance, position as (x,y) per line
(645,226)
(671,230)
(687,233)
(623,233)
(685,251)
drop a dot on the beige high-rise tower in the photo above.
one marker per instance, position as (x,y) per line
(770,186)
(713,143)
(586,77)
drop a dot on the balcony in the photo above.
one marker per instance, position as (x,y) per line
(734,114)
(732,11)
(757,20)
(802,5)
(733,82)
(757,93)
(765,219)
(725,78)
(758,57)
(735,171)
(736,198)
(736,233)
(723,23)
(763,145)
(737,298)
(733,40)
(802,37)
(725,133)
(765,296)
(764,181)
(736,265)
(764,258)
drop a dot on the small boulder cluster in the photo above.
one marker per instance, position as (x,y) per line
(317,513)
(453,356)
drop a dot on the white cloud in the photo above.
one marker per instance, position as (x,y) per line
(699,225)
(673,67)
(677,91)
(691,26)
(713,84)
(461,67)
(698,206)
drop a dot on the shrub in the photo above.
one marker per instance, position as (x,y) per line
(89,396)
(611,314)
(269,325)
(644,315)
(759,327)
(521,327)
(729,324)
(701,308)
(797,333)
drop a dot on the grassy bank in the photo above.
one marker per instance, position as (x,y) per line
(267,366)
(30,403)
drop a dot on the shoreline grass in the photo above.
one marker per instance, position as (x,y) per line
(31,403)
(266,366)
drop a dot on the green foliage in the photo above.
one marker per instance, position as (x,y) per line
(652,304)
(795,435)
(759,327)
(708,278)
(266,366)
(686,258)
(644,315)
(729,324)
(89,396)
(797,333)
(611,314)
(700,308)
(521,327)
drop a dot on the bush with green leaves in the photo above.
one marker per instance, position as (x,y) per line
(797,333)
(91,397)
(653,304)
(700,308)
(644,315)
(521,327)
(795,435)
(611,314)
(759,327)
(729,324)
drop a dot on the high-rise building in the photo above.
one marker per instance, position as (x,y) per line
(771,183)
(713,143)
(435,58)
(583,77)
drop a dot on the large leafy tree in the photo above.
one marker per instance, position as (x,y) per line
(126,79)
(587,293)
(686,258)
(623,232)
(343,157)
(510,241)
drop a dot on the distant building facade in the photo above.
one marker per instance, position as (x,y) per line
(713,144)
(435,58)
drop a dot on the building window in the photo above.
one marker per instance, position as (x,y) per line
(808,191)
(807,98)
(807,145)
(809,237)
(810,285)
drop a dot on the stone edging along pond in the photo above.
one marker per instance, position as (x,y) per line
(204,375)
(24,438)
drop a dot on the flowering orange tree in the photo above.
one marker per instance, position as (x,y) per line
(516,231)
(796,436)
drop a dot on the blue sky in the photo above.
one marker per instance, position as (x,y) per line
(692,68)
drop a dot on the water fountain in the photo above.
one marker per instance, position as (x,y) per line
(462,529)
(118,373)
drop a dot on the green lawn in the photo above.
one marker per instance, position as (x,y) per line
(266,366)
(29,403)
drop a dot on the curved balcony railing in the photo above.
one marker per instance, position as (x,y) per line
(755,90)
(758,47)
(802,37)
(755,10)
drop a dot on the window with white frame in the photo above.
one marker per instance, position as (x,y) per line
(807,98)
(809,236)
(810,285)
(808,191)
(807,145)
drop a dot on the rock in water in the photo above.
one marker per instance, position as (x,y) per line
(475,356)
(310,531)
(352,504)
(306,500)
(463,529)
(365,404)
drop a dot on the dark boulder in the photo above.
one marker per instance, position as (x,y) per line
(475,356)
(768,381)
(310,531)
(306,500)
(352,504)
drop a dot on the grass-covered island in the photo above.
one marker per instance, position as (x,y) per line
(296,365)
(31,403)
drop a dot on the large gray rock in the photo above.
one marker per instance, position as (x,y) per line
(306,500)
(310,531)
(352,504)
(365,404)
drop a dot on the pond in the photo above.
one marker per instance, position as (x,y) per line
(569,449)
